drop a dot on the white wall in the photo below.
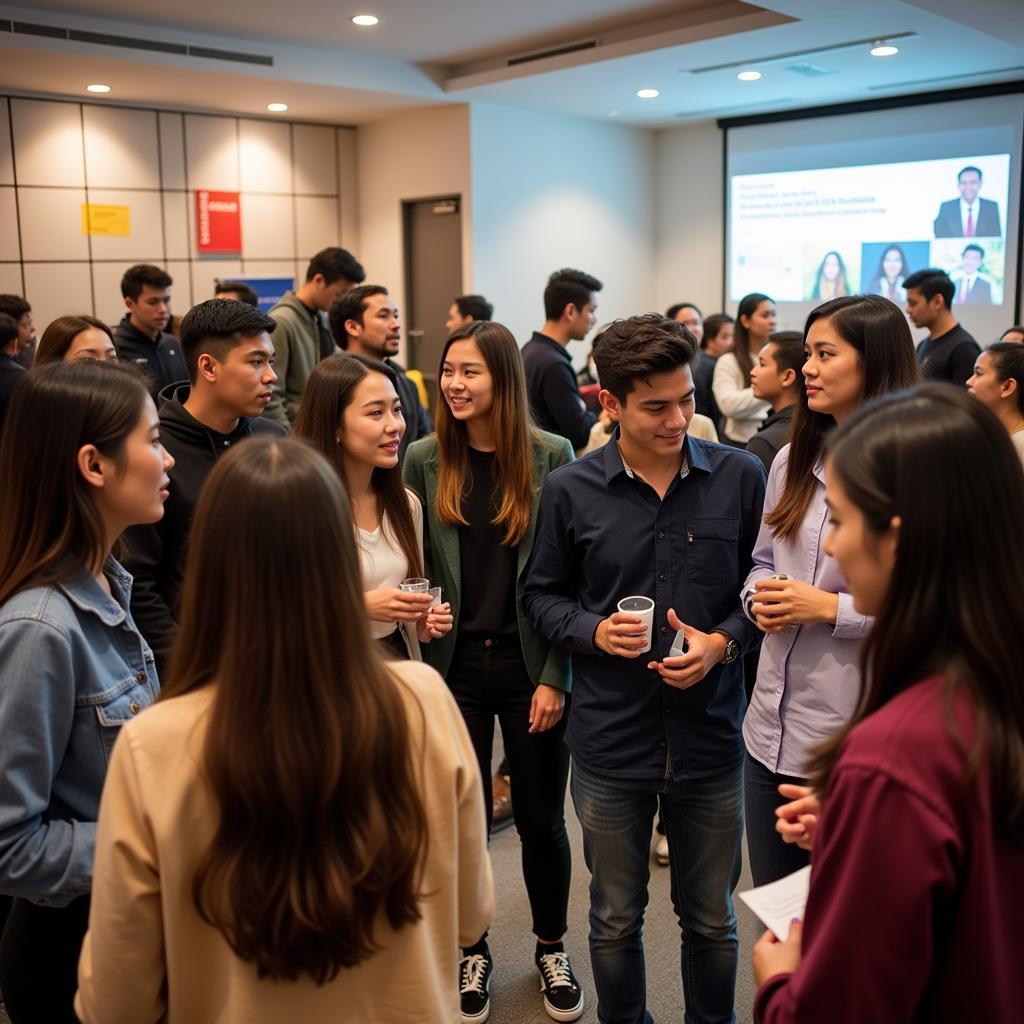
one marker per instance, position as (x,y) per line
(552,191)
(417,155)
(690,231)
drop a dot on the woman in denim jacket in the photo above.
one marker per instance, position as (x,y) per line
(80,461)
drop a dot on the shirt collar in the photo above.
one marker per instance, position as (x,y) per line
(560,349)
(694,457)
(85,593)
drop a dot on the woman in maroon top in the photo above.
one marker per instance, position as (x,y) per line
(917,877)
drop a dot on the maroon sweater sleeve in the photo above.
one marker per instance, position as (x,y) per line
(885,859)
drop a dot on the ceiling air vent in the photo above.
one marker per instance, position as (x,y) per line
(811,70)
(556,51)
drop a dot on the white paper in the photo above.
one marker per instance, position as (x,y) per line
(778,903)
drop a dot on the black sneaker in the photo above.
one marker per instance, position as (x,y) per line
(563,997)
(475,974)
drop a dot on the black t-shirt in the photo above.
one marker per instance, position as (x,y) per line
(488,566)
(950,356)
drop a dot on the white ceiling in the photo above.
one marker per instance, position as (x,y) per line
(443,51)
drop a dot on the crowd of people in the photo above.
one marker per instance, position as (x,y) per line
(260,612)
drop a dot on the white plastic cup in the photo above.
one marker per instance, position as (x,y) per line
(415,585)
(435,593)
(643,607)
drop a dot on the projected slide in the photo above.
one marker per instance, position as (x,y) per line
(812,235)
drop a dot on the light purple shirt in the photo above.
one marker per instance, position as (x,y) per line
(808,676)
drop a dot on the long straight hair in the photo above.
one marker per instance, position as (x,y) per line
(51,528)
(944,464)
(741,333)
(878,330)
(329,391)
(57,338)
(514,436)
(320,827)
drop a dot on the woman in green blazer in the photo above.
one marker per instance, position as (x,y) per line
(480,479)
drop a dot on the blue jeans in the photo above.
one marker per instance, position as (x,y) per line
(704,823)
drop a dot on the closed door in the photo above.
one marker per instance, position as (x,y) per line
(433,266)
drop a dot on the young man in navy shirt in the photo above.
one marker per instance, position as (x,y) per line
(658,514)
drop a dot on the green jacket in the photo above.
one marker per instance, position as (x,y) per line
(545,662)
(297,340)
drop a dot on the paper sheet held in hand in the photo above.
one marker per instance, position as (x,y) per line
(777,903)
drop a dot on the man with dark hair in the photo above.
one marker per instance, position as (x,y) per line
(140,338)
(365,321)
(237,290)
(467,308)
(11,371)
(777,379)
(570,309)
(15,306)
(229,357)
(949,352)
(302,338)
(972,288)
(659,514)
(968,216)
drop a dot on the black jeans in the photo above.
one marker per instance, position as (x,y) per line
(488,679)
(770,857)
(39,961)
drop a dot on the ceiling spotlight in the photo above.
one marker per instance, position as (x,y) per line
(277,107)
(97,88)
(749,76)
(884,49)
(648,94)
(366,20)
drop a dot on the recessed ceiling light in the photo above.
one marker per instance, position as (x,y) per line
(97,88)
(366,20)
(648,94)
(277,107)
(749,76)
(884,49)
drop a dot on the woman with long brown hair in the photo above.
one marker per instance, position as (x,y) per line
(81,461)
(918,860)
(744,414)
(480,479)
(351,413)
(858,347)
(295,831)
(75,337)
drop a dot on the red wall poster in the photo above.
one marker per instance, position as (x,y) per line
(218,222)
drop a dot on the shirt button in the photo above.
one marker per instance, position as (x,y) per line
(140,677)
(134,708)
(661,535)
(664,629)
(662,577)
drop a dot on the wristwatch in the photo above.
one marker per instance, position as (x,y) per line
(732,647)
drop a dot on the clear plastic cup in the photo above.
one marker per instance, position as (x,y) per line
(435,593)
(415,585)
(643,607)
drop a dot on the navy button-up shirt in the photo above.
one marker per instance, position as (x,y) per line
(604,534)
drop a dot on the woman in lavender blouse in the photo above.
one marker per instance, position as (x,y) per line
(858,347)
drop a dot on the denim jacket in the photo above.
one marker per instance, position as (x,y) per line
(73,669)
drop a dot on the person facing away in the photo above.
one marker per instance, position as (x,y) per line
(141,338)
(11,371)
(657,514)
(229,357)
(295,832)
(76,337)
(302,337)
(744,414)
(17,307)
(917,812)
(949,352)
(479,478)
(365,321)
(237,290)
(717,338)
(858,347)
(352,415)
(777,380)
(570,310)
(80,461)
(467,308)
(998,382)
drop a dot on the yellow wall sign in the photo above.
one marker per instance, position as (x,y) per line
(112,221)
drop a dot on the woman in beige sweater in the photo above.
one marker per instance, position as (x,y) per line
(295,832)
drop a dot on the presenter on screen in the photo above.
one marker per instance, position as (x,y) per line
(972,287)
(830,282)
(968,216)
(892,272)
